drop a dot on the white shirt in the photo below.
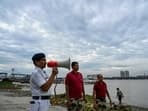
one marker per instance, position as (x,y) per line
(38,78)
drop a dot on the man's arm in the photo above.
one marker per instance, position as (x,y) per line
(47,85)
(67,92)
(94,96)
(67,88)
(108,96)
(83,91)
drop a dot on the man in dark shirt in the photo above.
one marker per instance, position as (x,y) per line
(119,95)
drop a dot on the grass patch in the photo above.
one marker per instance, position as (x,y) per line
(60,99)
(8,85)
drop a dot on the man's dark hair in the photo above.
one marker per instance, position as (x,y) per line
(74,63)
(99,75)
(37,57)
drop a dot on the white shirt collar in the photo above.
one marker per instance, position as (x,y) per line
(38,68)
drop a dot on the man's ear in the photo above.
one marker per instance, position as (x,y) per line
(36,62)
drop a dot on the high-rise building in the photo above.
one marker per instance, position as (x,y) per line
(124,74)
(121,74)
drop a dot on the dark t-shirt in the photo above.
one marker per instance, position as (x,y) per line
(100,88)
(119,94)
(74,81)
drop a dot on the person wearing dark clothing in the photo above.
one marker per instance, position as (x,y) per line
(119,95)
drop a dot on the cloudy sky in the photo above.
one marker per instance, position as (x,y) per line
(105,36)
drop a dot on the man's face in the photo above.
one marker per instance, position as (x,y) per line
(41,63)
(100,77)
(76,67)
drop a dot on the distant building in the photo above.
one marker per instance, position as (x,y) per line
(17,77)
(92,77)
(3,75)
(121,74)
(124,74)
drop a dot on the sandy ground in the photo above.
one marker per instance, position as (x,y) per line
(9,102)
(13,102)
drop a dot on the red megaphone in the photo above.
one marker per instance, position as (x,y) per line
(65,64)
(52,63)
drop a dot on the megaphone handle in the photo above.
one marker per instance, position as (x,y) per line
(55,94)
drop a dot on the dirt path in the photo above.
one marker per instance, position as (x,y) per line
(12,102)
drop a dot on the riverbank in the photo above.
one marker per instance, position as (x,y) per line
(11,100)
(13,97)
(60,100)
(17,99)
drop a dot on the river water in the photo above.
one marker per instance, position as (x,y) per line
(135,91)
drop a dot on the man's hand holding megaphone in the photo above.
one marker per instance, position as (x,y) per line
(55,70)
(53,65)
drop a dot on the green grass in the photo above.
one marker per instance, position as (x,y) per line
(61,100)
(8,85)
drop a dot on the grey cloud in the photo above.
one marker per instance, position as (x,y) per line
(96,33)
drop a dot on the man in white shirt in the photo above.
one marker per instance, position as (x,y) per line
(41,83)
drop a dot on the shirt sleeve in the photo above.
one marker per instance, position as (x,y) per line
(81,77)
(38,79)
(94,88)
(67,80)
(105,85)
